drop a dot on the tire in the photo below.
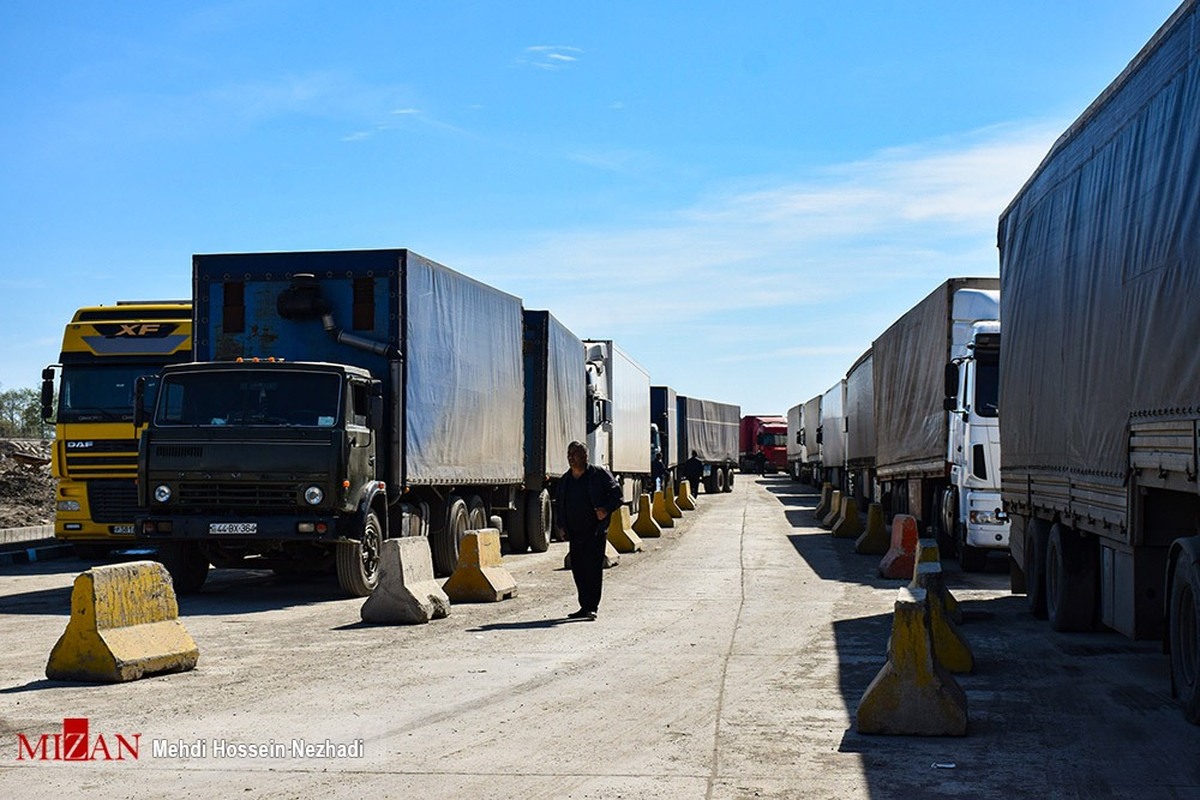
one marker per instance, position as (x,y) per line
(538,521)
(477,516)
(1070,580)
(729,479)
(186,563)
(445,542)
(710,483)
(358,562)
(1184,636)
(939,518)
(514,529)
(719,482)
(1038,533)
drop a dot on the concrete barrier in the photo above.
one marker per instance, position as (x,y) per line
(407,593)
(645,525)
(835,508)
(658,509)
(621,534)
(913,695)
(848,524)
(928,551)
(875,540)
(684,498)
(949,646)
(479,576)
(900,557)
(124,625)
(672,505)
(826,497)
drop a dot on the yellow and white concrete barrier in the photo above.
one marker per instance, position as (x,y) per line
(124,625)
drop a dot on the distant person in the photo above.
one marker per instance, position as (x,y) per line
(585,496)
(659,471)
(693,470)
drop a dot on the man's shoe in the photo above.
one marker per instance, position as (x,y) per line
(580,614)
(591,616)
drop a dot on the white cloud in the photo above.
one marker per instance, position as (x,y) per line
(815,266)
(550,57)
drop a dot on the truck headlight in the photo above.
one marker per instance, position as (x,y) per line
(984,518)
(162,493)
(68,505)
(313,495)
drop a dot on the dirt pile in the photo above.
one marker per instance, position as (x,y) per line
(26,485)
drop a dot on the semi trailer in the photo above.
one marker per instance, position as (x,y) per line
(1100,389)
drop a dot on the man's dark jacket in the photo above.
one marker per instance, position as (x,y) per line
(603,492)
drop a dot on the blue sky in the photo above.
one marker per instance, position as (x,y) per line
(743,195)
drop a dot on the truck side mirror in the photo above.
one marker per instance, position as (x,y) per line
(951,383)
(599,412)
(820,434)
(47,394)
(800,437)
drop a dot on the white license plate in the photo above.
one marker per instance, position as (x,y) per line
(122,529)
(233,527)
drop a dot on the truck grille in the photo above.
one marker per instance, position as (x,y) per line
(240,495)
(103,457)
(112,501)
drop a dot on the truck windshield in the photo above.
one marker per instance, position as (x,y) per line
(99,392)
(266,397)
(987,386)
(772,439)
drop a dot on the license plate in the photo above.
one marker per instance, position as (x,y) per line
(233,527)
(122,529)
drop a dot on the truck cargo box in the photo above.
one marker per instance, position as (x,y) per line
(860,411)
(910,357)
(447,347)
(710,429)
(555,394)
(664,413)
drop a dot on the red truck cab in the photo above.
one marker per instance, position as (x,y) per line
(763,444)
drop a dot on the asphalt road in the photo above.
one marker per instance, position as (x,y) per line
(727,662)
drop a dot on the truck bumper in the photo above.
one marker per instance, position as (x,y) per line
(987,527)
(239,529)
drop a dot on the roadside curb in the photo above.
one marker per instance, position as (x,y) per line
(34,551)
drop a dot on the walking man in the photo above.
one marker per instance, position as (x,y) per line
(585,496)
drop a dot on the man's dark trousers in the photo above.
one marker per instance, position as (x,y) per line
(587,565)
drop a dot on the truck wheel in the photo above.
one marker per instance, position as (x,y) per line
(187,565)
(939,518)
(1070,580)
(720,479)
(729,479)
(358,562)
(538,521)
(445,542)
(477,516)
(1038,534)
(514,526)
(1184,633)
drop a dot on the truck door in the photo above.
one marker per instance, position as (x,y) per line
(360,436)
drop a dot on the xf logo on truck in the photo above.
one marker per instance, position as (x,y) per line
(117,330)
(75,743)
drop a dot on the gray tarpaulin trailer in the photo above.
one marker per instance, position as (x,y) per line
(1100,367)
